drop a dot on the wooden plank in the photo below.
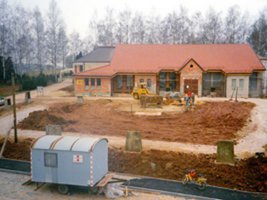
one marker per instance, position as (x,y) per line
(105,180)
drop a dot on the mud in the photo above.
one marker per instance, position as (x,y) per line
(19,151)
(249,175)
(205,124)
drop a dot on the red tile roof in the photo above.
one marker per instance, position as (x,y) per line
(98,71)
(230,58)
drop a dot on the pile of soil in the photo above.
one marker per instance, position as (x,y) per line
(206,124)
(37,120)
(19,151)
(249,175)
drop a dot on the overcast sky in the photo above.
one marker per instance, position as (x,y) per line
(77,13)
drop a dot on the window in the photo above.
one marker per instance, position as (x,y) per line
(92,82)
(233,84)
(162,80)
(172,81)
(148,82)
(130,82)
(191,66)
(50,160)
(86,82)
(119,82)
(81,68)
(141,80)
(241,84)
(98,81)
(253,81)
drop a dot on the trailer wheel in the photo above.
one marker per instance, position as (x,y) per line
(63,189)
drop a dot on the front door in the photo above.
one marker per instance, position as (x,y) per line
(191,85)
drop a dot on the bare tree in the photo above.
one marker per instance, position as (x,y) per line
(63,44)
(211,28)
(54,23)
(258,35)
(137,29)
(39,38)
(152,34)
(4,32)
(123,27)
(21,37)
(236,26)
(75,44)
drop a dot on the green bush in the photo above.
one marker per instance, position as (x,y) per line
(30,83)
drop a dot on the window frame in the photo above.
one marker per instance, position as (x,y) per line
(243,81)
(233,83)
(92,82)
(149,82)
(81,68)
(98,82)
(86,81)
(46,163)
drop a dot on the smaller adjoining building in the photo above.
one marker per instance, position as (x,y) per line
(100,56)
(205,69)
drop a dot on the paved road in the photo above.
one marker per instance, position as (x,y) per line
(190,189)
(20,97)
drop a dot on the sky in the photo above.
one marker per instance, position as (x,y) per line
(78,13)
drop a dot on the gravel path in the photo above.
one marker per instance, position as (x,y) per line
(11,188)
(6,122)
(20,97)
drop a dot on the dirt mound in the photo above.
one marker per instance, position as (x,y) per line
(206,124)
(20,150)
(103,101)
(37,120)
(247,175)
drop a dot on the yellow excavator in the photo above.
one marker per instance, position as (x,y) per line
(140,90)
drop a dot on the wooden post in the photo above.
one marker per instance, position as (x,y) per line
(236,94)
(14,108)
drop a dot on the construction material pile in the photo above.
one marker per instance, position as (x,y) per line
(151,100)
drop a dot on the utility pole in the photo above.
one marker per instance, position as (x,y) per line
(14,108)
(3,66)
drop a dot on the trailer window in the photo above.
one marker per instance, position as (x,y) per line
(50,159)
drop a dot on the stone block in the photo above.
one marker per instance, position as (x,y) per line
(225,152)
(52,129)
(133,141)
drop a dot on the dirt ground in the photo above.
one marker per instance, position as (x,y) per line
(249,175)
(206,124)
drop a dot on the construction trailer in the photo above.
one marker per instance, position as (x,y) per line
(68,160)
